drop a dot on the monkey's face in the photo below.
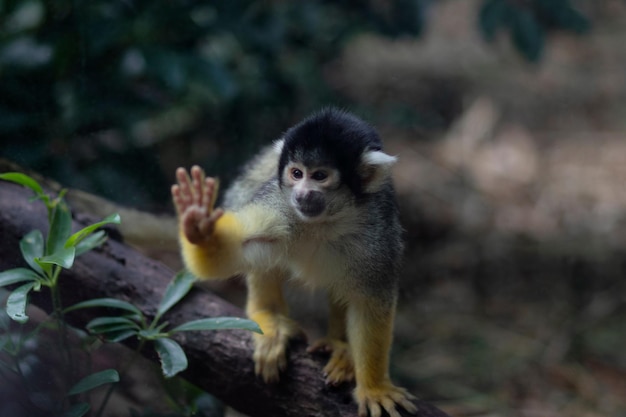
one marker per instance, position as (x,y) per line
(310,189)
(330,162)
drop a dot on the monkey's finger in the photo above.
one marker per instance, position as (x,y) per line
(197,184)
(402,394)
(322,345)
(207,225)
(262,363)
(205,194)
(337,376)
(408,405)
(182,177)
(216,189)
(338,370)
(374,408)
(258,366)
(216,214)
(362,409)
(190,225)
(185,186)
(390,407)
(210,194)
(268,371)
(405,402)
(178,202)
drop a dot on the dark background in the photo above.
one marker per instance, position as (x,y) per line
(507,115)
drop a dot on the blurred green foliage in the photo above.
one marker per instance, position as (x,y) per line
(528,22)
(90,88)
(94,93)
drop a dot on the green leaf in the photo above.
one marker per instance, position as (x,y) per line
(60,228)
(77,410)
(492,16)
(117,336)
(527,35)
(572,19)
(32,246)
(105,302)
(63,257)
(177,289)
(17,301)
(173,358)
(112,331)
(104,324)
(90,242)
(83,233)
(151,334)
(92,381)
(219,323)
(24,180)
(13,276)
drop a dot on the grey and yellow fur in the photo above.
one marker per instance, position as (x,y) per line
(317,207)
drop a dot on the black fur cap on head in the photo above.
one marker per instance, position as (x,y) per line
(330,137)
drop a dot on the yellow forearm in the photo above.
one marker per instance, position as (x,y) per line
(223,255)
(220,257)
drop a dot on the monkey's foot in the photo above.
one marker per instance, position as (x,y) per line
(270,348)
(340,367)
(385,397)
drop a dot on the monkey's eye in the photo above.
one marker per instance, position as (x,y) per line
(296,174)
(319,175)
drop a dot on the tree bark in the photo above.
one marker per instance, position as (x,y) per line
(219,362)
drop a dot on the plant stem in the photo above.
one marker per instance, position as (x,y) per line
(123,370)
(57,313)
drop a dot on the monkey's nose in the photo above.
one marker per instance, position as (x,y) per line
(311,204)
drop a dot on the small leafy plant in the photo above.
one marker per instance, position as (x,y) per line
(46,258)
(134,323)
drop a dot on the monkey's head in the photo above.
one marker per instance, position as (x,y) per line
(330,160)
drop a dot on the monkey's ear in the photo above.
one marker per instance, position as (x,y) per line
(375,168)
(278,145)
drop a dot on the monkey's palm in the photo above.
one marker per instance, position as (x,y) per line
(194,197)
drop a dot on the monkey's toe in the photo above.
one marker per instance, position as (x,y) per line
(385,397)
(270,348)
(340,367)
(270,357)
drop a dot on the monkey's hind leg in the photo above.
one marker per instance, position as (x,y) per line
(340,367)
(370,329)
(267,307)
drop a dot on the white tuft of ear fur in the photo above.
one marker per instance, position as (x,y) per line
(278,146)
(375,169)
(378,158)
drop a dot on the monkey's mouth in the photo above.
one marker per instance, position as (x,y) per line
(310,206)
(310,212)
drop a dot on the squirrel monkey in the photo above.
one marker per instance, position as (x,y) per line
(318,207)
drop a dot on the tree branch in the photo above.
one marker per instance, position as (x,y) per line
(219,362)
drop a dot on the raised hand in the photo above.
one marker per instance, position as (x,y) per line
(194,198)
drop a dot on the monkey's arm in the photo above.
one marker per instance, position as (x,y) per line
(210,239)
(217,244)
(220,256)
